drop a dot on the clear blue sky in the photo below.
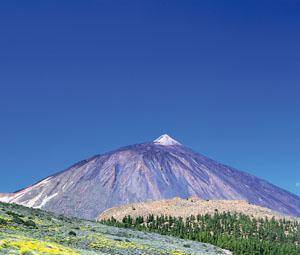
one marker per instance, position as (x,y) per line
(78,78)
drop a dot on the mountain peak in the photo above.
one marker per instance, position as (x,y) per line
(166,140)
(162,169)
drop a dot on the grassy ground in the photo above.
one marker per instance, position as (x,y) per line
(27,231)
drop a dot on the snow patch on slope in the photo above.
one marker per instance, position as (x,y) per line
(31,202)
(6,198)
(46,200)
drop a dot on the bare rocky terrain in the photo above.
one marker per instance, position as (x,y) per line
(178,207)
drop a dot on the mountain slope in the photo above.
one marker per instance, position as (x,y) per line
(31,231)
(149,171)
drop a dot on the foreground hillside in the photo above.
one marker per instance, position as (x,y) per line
(178,207)
(161,169)
(27,231)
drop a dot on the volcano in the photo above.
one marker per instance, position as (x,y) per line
(161,169)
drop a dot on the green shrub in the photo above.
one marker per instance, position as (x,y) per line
(14,214)
(30,223)
(18,220)
(3,221)
(72,233)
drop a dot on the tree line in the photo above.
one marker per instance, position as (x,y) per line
(239,233)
